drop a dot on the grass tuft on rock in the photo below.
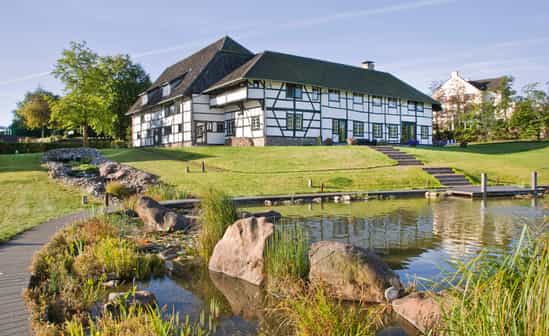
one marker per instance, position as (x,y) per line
(503,296)
(217,212)
(309,309)
(286,253)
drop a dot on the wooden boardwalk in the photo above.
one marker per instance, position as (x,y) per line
(15,258)
(491,191)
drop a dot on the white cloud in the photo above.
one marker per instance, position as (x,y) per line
(25,78)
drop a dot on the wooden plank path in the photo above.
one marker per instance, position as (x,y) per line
(15,258)
(492,191)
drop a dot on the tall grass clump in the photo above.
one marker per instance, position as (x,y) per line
(165,192)
(286,253)
(503,296)
(217,212)
(117,189)
(67,274)
(309,309)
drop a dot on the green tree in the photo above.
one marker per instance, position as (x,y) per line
(531,115)
(125,80)
(87,96)
(35,109)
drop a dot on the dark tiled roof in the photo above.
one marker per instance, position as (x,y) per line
(301,70)
(490,84)
(198,71)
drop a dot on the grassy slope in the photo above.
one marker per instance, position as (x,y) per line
(274,170)
(28,196)
(509,163)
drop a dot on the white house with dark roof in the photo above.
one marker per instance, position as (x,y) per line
(458,94)
(226,94)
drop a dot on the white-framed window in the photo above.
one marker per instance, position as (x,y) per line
(358,98)
(294,91)
(392,102)
(144,99)
(230,127)
(376,100)
(167,130)
(425,132)
(220,127)
(358,129)
(393,131)
(377,130)
(210,126)
(166,90)
(294,121)
(415,106)
(256,123)
(315,93)
(419,107)
(255,84)
(333,95)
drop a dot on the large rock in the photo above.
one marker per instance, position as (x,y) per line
(239,253)
(156,217)
(351,272)
(72,154)
(422,309)
(138,298)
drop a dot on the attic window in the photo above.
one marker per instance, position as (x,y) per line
(144,99)
(166,90)
(176,82)
(294,91)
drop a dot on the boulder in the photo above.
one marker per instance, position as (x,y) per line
(239,253)
(58,169)
(156,217)
(351,272)
(422,309)
(138,298)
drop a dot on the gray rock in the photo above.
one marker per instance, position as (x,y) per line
(239,253)
(138,298)
(157,218)
(351,272)
(424,310)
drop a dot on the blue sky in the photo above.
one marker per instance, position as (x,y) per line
(418,41)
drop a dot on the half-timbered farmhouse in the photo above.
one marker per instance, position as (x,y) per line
(225,94)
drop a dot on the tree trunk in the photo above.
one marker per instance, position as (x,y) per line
(85,135)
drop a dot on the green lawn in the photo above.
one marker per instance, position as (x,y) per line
(508,163)
(274,170)
(28,196)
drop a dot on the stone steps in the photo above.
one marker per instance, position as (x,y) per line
(402,159)
(447,177)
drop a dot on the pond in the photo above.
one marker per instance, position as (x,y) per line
(418,238)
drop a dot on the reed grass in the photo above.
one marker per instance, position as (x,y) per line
(286,253)
(165,192)
(217,212)
(309,309)
(503,296)
(117,189)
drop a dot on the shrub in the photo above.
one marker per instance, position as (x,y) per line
(503,296)
(286,253)
(310,310)
(117,189)
(328,142)
(165,192)
(67,273)
(217,212)
(351,141)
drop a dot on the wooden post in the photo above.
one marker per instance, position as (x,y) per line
(107,196)
(535,182)
(483,184)
(322,187)
(203,167)
(310,183)
(187,169)
(84,199)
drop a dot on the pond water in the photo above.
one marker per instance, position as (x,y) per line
(419,239)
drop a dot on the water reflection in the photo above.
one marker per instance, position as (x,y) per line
(419,238)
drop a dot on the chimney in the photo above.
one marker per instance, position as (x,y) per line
(368,65)
(455,74)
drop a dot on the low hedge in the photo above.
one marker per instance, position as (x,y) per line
(38,147)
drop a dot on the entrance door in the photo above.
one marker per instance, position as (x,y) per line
(340,128)
(408,131)
(157,136)
(200,133)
